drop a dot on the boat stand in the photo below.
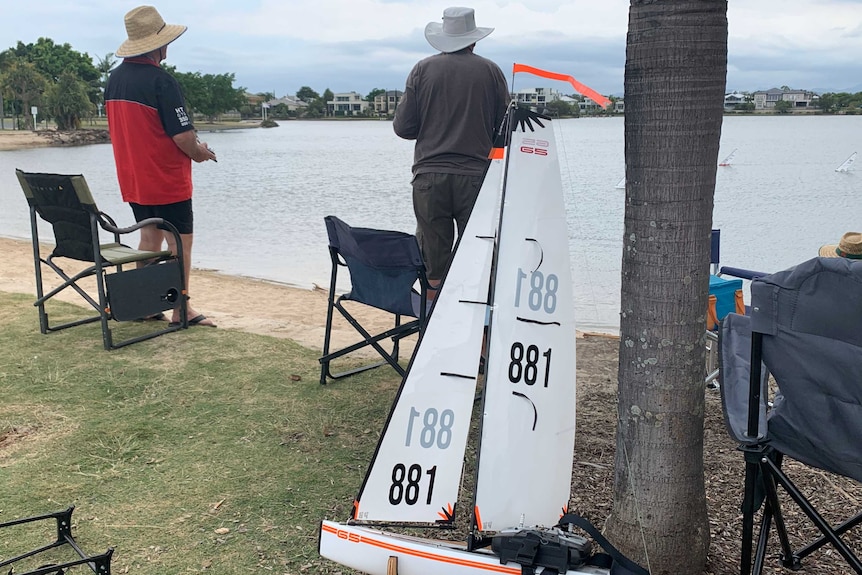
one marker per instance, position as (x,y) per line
(100,564)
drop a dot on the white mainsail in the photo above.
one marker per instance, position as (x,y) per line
(845,166)
(416,472)
(528,427)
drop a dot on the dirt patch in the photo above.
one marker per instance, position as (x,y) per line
(24,427)
(834,496)
(14,434)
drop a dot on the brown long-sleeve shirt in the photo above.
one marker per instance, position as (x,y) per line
(452,106)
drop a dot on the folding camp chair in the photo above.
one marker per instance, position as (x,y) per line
(804,328)
(99,564)
(384,266)
(153,283)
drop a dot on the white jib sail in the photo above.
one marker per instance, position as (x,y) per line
(528,430)
(416,471)
(845,167)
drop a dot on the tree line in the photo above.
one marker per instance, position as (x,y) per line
(67,86)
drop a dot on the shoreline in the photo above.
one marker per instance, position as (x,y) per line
(234,302)
(11,140)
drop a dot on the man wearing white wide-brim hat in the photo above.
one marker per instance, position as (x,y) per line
(452,106)
(153,137)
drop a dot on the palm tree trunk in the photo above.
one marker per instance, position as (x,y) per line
(676,63)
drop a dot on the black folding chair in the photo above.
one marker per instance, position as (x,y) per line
(384,267)
(154,281)
(13,530)
(804,328)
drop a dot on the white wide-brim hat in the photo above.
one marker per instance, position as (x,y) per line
(457,31)
(147,31)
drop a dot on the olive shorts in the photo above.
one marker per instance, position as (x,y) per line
(442,203)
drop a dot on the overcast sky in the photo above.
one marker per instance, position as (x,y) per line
(358,45)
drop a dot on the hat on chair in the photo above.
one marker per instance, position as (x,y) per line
(457,31)
(147,31)
(850,246)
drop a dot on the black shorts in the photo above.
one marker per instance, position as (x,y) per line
(179,214)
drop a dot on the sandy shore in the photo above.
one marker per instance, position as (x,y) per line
(25,139)
(233,302)
(21,139)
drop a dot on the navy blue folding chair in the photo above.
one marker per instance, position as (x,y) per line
(803,328)
(387,273)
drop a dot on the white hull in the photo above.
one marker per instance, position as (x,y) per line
(370,550)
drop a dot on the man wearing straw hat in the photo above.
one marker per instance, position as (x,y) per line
(153,137)
(453,104)
(850,247)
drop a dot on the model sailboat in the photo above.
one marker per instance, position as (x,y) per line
(726,162)
(845,166)
(513,261)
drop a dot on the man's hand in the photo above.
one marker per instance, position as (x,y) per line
(208,153)
(189,144)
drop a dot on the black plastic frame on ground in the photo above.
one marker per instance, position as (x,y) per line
(100,564)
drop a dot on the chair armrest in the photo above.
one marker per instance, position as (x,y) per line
(108,224)
(742,273)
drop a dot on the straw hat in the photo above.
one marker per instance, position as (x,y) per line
(850,246)
(147,31)
(457,31)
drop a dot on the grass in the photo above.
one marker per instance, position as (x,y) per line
(204,450)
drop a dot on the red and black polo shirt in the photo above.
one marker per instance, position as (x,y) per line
(145,109)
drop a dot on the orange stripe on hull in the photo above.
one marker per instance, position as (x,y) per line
(496,154)
(370,540)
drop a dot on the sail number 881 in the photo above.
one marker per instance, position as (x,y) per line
(542,291)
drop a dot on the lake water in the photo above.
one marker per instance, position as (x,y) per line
(259,210)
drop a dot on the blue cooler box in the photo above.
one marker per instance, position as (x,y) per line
(725,294)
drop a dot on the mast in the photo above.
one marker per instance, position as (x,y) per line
(473,538)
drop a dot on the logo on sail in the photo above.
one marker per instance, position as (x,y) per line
(537,147)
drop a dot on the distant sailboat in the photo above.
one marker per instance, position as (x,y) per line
(726,162)
(845,167)
(621,185)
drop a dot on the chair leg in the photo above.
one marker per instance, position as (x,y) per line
(748,513)
(711,359)
(37,261)
(773,509)
(822,540)
(389,358)
(818,520)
